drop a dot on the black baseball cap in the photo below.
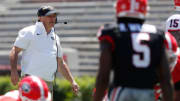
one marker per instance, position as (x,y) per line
(46,10)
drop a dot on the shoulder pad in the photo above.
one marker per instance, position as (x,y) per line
(106,29)
(151,29)
(109,26)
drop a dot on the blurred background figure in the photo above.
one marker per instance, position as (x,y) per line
(173,59)
(136,54)
(30,88)
(173,27)
(177,4)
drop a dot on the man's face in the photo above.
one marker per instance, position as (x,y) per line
(176,34)
(49,20)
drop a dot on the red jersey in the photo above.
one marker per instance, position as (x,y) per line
(175,77)
(15,96)
(11,96)
(172,52)
(176,72)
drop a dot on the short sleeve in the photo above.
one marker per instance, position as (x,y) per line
(60,51)
(105,33)
(23,39)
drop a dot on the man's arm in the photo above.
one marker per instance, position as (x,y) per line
(13,56)
(165,78)
(105,65)
(64,70)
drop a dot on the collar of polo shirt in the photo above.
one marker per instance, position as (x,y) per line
(41,29)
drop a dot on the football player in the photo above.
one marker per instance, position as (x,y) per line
(136,54)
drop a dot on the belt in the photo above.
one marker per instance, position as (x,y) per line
(25,75)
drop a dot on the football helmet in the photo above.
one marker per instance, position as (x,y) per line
(177,5)
(32,88)
(171,49)
(131,8)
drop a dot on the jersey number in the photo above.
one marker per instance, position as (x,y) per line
(174,23)
(141,57)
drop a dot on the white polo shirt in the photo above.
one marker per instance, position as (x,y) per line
(39,51)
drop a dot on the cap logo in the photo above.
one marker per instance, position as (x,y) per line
(46,7)
(52,38)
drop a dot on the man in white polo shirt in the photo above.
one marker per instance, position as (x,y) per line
(41,51)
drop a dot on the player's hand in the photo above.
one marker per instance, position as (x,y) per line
(75,88)
(14,77)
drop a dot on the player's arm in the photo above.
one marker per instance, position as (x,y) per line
(105,65)
(13,56)
(165,78)
(64,70)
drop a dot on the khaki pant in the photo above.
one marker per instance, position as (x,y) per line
(131,94)
(50,86)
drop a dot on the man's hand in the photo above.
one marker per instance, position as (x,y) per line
(14,77)
(75,88)
(64,70)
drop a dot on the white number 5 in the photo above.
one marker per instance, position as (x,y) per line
(140,48)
